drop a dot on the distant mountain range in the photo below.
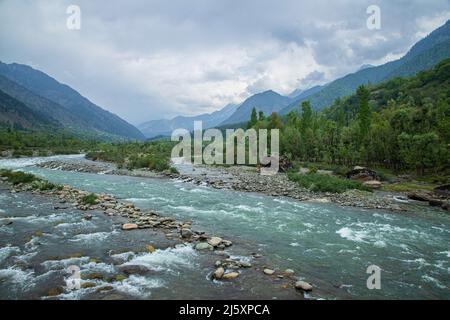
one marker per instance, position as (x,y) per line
(165,127)
(30,94)
(267,102)
(424,55)
(31,99)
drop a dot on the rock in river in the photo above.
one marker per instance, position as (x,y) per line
(231,275)
(303,285)
(218,274)
(214,241)
(269,271)
(186,233)
(129,226)
(203,246)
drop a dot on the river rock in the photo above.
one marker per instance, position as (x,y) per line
(214,241)
(87,217)
(133,269)
(230,275)
(269,271)
(303,285)
(289,272)
(129,226)
(203,246)
(218,274)
(186,233)
(373,184)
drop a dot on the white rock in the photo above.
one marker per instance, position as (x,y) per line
(303,285)
(214,241)
(269,271)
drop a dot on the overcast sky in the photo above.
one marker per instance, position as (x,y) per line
(157,59)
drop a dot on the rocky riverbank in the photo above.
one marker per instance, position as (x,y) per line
(225,268)
(245,179)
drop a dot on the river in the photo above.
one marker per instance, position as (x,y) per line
(328,245)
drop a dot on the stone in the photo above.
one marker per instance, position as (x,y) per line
(303,285)
(214,241)
(129,226)
(186,233)
(218,274)
(227,243)
(110,212)
(245,264)
(289,272)
(203,246)
(230,275)
(269,271)
(87,217)
(373,184)
(149,248)
(133,269)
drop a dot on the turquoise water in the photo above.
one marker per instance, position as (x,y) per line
(329,245)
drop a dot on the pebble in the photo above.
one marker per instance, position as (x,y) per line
(289,272)
(230,275)
(203,246)
(214,241)
(129,226)
(218,274)
(303,285)
(269,271)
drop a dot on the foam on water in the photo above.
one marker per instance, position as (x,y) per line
(138,286)
(27,162)
(169,259)
(7,251)
(93,237)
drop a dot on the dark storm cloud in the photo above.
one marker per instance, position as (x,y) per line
(151,59)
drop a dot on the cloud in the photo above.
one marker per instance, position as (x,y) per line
(158,59)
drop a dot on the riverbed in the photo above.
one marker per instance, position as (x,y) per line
(326,244)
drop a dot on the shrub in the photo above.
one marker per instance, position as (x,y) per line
(90,199)
(16,177)
(325,183)
(312,170)
(173,170)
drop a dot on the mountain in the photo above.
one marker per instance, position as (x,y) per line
(57,101)
(267,102)
(164,127)
(423,55)
(16,114)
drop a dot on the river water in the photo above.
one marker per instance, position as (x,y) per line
(328,245)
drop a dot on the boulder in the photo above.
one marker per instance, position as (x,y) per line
(186,233)
(230,275)
(443,191)
(133,269)
(269,271)
(362,174)
(373,184)
(129,226)
(214,241)
(289,272)
(218,274)
(419,196)
(203,246)
(303,285)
